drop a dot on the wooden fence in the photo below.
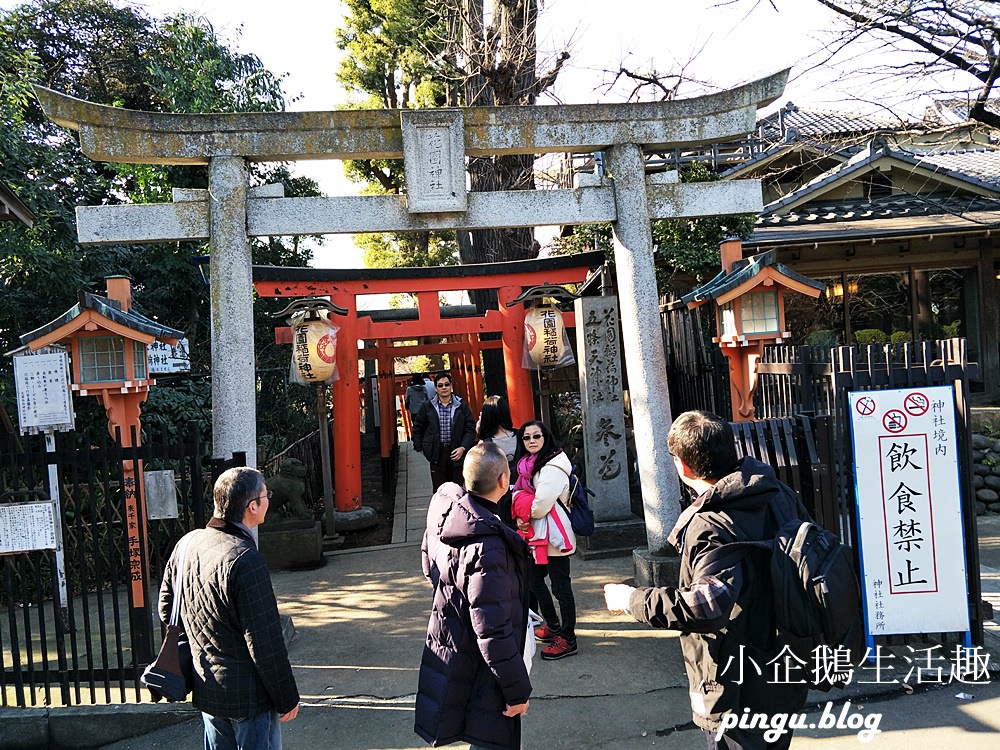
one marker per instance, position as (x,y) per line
(697,373)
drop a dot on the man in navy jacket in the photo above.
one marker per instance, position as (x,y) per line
(444,430)
(473,684)
(243,682)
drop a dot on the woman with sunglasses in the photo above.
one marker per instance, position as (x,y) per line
(543,468)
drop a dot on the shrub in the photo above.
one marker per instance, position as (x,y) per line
(870,336)
(824,337)
(900,337)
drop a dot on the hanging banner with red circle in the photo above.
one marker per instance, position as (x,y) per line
(314,349)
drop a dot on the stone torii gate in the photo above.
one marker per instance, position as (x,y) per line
(434,144)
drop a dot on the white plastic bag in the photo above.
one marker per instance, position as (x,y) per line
(534,621)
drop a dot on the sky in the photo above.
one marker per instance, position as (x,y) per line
(729,45)
(720,43)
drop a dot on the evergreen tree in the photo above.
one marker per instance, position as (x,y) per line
(418,53)
(96,50)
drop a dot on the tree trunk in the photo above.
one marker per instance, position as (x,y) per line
(499,70)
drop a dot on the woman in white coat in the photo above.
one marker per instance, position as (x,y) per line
(544,468)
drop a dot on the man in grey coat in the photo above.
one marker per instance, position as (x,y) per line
(243,682)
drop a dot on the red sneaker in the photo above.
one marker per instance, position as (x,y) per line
(560,648)
(545,634)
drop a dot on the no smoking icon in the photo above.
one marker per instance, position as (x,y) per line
(916,404)
(865,406)
(894,420)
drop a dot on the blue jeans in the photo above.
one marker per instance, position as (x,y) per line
(260,732)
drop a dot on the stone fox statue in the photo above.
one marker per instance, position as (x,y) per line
(289,492)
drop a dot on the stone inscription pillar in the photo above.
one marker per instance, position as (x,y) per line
(234,386)
(643,344)
(602,404)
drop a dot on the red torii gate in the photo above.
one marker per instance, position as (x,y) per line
(343,287)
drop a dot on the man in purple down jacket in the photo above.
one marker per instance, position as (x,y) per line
(473,685)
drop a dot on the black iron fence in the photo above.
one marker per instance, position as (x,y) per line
(91,644)
(697,373)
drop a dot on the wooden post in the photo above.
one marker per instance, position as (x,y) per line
(519,395)
(326,459)
(476,373)
(346,411)
(386,397)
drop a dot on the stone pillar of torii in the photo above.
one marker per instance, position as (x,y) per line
(434,145)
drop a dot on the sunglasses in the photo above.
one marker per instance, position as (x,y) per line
(535,436)
(442,385)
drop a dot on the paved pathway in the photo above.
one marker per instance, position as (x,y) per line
(360,624)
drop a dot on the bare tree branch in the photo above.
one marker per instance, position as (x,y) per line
(944,36)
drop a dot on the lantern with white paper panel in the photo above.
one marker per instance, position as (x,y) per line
(314,348)
(545,338)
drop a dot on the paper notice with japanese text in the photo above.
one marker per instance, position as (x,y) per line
(909,510)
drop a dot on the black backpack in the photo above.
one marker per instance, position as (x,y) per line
(817,600)
(581,516)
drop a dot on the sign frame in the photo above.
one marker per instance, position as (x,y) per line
(909,511)
(43,378)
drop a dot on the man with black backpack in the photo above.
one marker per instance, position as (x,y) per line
(724,605)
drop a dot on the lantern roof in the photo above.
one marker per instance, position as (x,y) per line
(91,309)
(749,273)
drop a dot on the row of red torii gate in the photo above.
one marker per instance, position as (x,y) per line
(461,338)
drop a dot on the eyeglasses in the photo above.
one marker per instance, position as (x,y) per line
(442,385)
(268,494)
(536,436)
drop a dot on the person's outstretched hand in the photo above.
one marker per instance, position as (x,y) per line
(617,595)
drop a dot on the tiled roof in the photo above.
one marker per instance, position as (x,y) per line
(963,185)
(781,150)
(939,164)
(858,163)
(981,163)
(954,111)
(110,309)
(880,228)
(821,125)
(896,206)
(743,271)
